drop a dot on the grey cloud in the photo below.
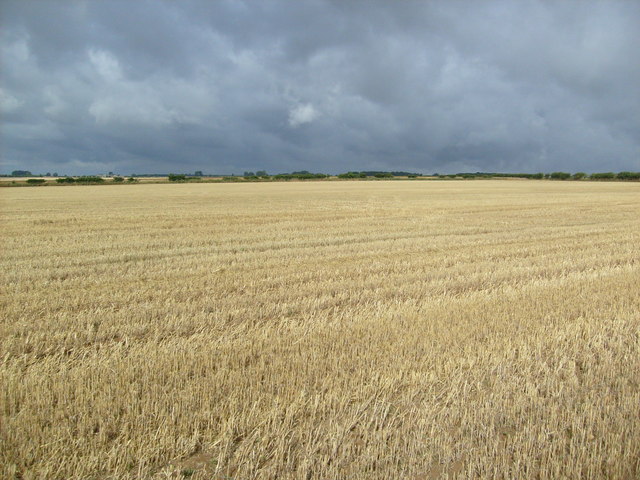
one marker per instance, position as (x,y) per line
(320,85)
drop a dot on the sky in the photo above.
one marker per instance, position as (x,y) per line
(229,86)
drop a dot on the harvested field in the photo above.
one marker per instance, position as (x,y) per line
(329,330)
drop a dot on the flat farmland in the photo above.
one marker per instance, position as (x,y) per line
(329,330)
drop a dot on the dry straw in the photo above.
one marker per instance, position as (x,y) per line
(360,330)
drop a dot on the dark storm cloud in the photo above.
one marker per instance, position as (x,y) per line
(228,86)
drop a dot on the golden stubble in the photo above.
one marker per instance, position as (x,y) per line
(361,330)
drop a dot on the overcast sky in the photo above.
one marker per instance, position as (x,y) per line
(326,86)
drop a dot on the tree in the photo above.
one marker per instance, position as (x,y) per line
(21,173)
(560,175)
(262,173)
(249,174)
(579,175)
(198,173)
(89,179)
(628,176)
(174,177)
(603,176)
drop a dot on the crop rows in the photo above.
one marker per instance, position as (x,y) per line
(485,329)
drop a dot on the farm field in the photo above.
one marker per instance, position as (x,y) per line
(321,330)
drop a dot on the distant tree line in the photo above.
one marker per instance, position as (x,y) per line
(595,176)
(174,177)
(301,175)
(552,176)
(27,173)
(93,179)
(378,174)
(262,175)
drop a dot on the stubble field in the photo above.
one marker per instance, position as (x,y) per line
(329,330)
